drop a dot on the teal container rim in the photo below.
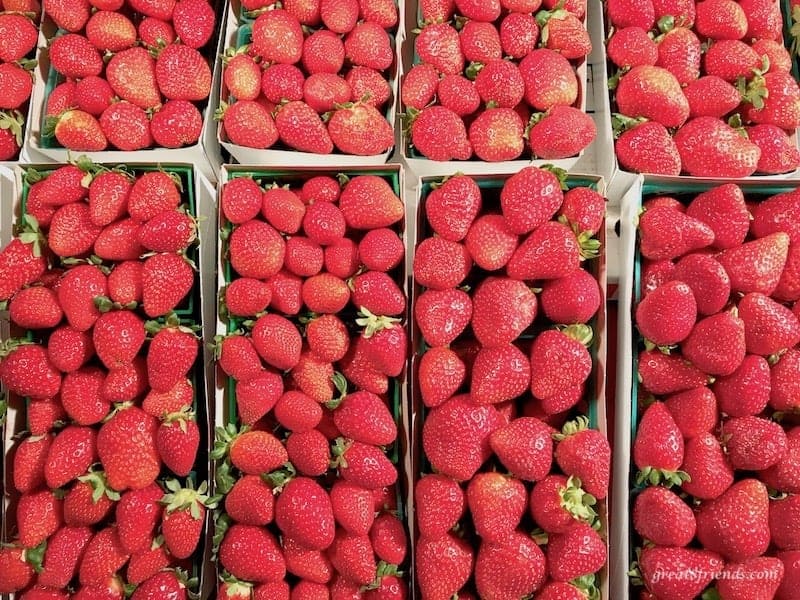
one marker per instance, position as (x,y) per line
(191,308)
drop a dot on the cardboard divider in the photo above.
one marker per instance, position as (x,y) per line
(204,155)
(12,188)
(491,182)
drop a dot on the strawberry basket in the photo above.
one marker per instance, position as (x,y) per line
(708,470)
(82,413)
(591,407)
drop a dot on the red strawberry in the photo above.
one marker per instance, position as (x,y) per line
(499,374)
(663,518)
(94,95)
(656,227)
(303,512)
(577,552)
(21,261)
(352,507)
(654,93)
(439,45)
(369,202)
(746,391)
(26,371)
(117,337)
(72,452)
(283,82)
(524,447)
(667,315)
(710,147)
(739,580)
(164,582)
(389,539)
(575,443)
(648,148)
(183,518)
(753,443)
(363,464)
(519,34)
(456,434)
(143,565)
(166,281)
(323,52)
(512,564)
(783,381)
(707,279)
(782,477)
(250,501)
(559,360)
(108,197)
(17,573)
(716,344)
(419,86)
(182,73)
(497,504)
(137,513)
(155,32)
(657,563)
(723,209)
(300,128)
(171,355)
(177,441)
(62,557)
(178,123)
(248,123)
(443,565)
(769,326)
(90,501)
(71,231)
(492,148)
(529,198)
(365,417)
(132,75)
(574,298)
(480,42)
(30,461)
(442,315)
(252,553)
(777,214)
(256,395)
(439,134)
(441,373)
(381,249)
(493,321)
(779,154)
(352,556)
(44,416)
(452,207)
(558,253)
(78,130)
(710,473)
(130,461)
(241,200)
(631,46)
(35,308)
(242,75)
(439,504)
(277,341)
(82,395)
(194,22)
(545,144)
(251,451)
(125,383)
(153,192)
(368,86)
(780,105)
(440,264)
(39,515)
(756,266)
(711,96)
(378,293)
(310,565)
(72,55)
(296,411)
(309,452)
(368,45)
(625,13)
(694,411)
(271,26)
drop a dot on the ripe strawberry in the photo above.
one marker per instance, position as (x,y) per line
(711,96)
(753,443)
(452,207)
(381,249)
(178,123)
(143,565)
(169,231)
(252,553)
(78,130)
(363,464)
(558,253)
(369,202)
(442,315)
(242,75)
(352,556)
(365,417)
(360,130)
(497,504)
(138,512)
(119,242)
(775,52)
(776,214)
(89,501)
(108,197)
(256,396)
(352,507)
(286,288)
(369,45)
(769,326)
(716,344)
(248,123)
(389,539)
(194,22)
(166,281)
(72,452)
(737,580)
(490,242)
(730,60)
(378,293)
(480,42)
(624,13)
(756,266)
(631,46)
(648,148)
(241,200)
(779,154)
(783,381)
(325,91)
(282,82)
(694,411)
(19,37)
(529,198)
(708,280)
(419,86)
(82,395)
(39,515)
(782,477)
(705,143)
(440,264)
(250,501)
(72,233)
(512,565)
(441,373)
(657,243)
(300,127)
(443,565)
(656,561)
(304,513)
(94,95)
(35,308)
(679,53)
(182,73)
(61,559)
(310,565)
(487,145)
(577,552)
(125,383)
(545,143)
(152,193)
(368,86)
(132,74)
(439,134)
(710,473)
(164,582)
(439,44)
(26,371)
(177,441)
(73,55)
(323,52)
(172,353)
(271,26)
(17,573)
(499,374)
(30,461)
(667,315)
(110,31)
(183,519)
(156,33)
(549,79)
(663,518)
(251,451)
(117,337)
(44,415)
(130,461)
(575,443)
(456,434)
(104,556)
(654,93)
(277,341)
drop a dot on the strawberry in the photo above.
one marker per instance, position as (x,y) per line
(783,522)
(711,96)
(152,193)
(519,34)
(381,249)
(576,442)
(452,207)
(577,552)
(241,200)
(499,374)
(26,371)
(654,93)
(524,447)
(369,202)
(756,266)
(368,45)
(667,315)
(781,477)
(361,130)
(497,504)
(177,441)
(182,73)
(35,308)
(11,136)
(82,395)
(242,75)
(557,590)
(723,209)
(17,573)
(274,25)
(304,513)
(72,55)
(277,341)
(251,451)
(156,32)
(549,79)
(775,52)
(166,281)
(559,360)
(442,315)
(783,381)
(110,31)
(378,293)
(419,86)
(103,558)
(368,86)
(117,337)
(648,148)
(63,554)
(776,214)
(737,580)
(631,46)
(659,566)
(72,452)
(513,564)
(730,60)
(280,82)
(125,383)
(480,42)
(194,22)
(256,396)
(39,515)
(71,231)
(574,298)
(138,512)
(147,563)
(310,565)
(493,322)
(328,338)
(30,461)
(440,504)
(708,280)
(389,539)
(769,326)
(296,411)
(108,197)
(252,553)
(557,249)
(119,242)
(300,128)
(341,258)
(352,556)
(19,37)
(324,91)
(44,416)
(130,461)
(250,501)
(90,500)
(178,123)
(443,565)
(710,473)
(721,20)
(439,44)
(325,293)
(679,53)
(455,436)
(705,144)
(323,52)
(164,582)
(436,10)
(339,16)
(132,75)
(440,264)
(160,9)
(663,518)
(248,123)
(441,373)
(363,464)
(565,33)
(657,243)
(525,212)
(183,518)
(694,411)
(625,13)
(352,507)
(542,136)
(753,443)
(748,500)
(364,417)
(324,223)
(492,148)
(716,344)
(169,231)
(779,154)
(435,125)
(172,353)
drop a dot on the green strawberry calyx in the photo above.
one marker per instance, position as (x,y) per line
(180,417)
(340,383)
(578,502)
(99,484)
(383,569)
(578,332)
(621,123)
(372,323)
(588,585)
(571,428)
(222,444)
(222,523)
(14,122)
(278,478)
(652,476)
(340,448)
(234,587)
(28,233)
(172,321)
(11,344)
(35,556)
(188,498)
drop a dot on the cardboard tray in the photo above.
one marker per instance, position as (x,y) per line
(294,158)
(204,155)
(491,182)
(592,99)
(12,187)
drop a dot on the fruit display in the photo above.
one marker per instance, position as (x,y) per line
(703,89)
(127,76)
(497,81)
(508,314)
(314,357)
(316,78)
(714,453)
(108,427)
(19,33)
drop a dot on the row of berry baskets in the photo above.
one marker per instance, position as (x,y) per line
(593,85)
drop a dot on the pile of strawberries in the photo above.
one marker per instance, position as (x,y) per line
(107,396)
(703,89)
(498,81)
(717,444)
(18,36)
(503,368)
(314,77)
(134,74)
(310,490)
